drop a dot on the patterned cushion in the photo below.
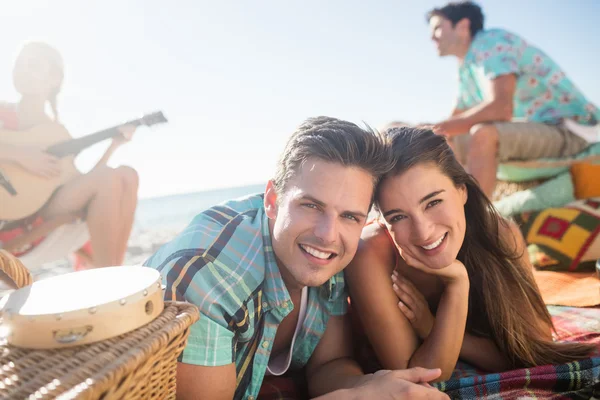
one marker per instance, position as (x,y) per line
(563,239)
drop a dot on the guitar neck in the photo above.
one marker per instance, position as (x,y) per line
(74,146)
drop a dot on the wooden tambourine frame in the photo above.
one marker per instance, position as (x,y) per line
(82,307)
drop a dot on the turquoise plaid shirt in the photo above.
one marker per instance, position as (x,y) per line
(543,92)
(223,262)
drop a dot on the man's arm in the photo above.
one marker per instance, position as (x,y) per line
(499,107)
(456,109)
(331,366)
(207,369)
(332,374)
(196,382)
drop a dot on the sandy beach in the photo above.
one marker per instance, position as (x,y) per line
(157,221)
(141,246)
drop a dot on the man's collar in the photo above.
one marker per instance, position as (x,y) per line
(275,293)
(469,55)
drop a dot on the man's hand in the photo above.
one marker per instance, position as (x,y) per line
(38,162)
(451,128)
(399,385)
(413,305)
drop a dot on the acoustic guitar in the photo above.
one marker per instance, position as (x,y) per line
(23,193)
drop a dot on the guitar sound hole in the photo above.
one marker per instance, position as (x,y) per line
(149,307)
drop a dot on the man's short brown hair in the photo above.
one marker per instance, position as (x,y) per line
(337,141)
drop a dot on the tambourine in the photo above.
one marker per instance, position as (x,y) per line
(81,307)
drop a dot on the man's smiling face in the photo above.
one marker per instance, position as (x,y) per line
(317,221)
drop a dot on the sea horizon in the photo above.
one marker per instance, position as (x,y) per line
(174,211)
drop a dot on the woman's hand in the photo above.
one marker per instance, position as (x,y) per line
(127,132)
(38,162)
(413,305)
(455,272)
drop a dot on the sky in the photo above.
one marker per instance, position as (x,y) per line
(235,78)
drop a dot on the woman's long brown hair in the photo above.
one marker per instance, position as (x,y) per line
(505,304)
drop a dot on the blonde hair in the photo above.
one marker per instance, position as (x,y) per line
(52,56)
(53,101)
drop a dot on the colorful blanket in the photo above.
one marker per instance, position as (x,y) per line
(576,380)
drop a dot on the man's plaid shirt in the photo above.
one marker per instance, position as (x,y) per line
(223,262)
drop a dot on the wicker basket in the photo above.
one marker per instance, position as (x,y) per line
(138,365)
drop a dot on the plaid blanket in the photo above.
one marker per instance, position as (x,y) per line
(576,380)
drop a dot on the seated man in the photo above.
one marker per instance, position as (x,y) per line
(266,272)
(504,79)
(106,197)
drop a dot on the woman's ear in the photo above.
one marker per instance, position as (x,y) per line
(270,201)
(464,193)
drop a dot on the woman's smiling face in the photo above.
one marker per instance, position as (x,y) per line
(424,211)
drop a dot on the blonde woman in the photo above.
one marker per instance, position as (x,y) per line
(105,197)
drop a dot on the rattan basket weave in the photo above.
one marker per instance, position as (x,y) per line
(138,365)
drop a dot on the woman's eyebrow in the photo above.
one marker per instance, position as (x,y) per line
(424,199)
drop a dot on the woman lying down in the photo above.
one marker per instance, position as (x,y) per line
(442,276)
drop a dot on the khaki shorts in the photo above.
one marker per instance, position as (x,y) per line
(527,141)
